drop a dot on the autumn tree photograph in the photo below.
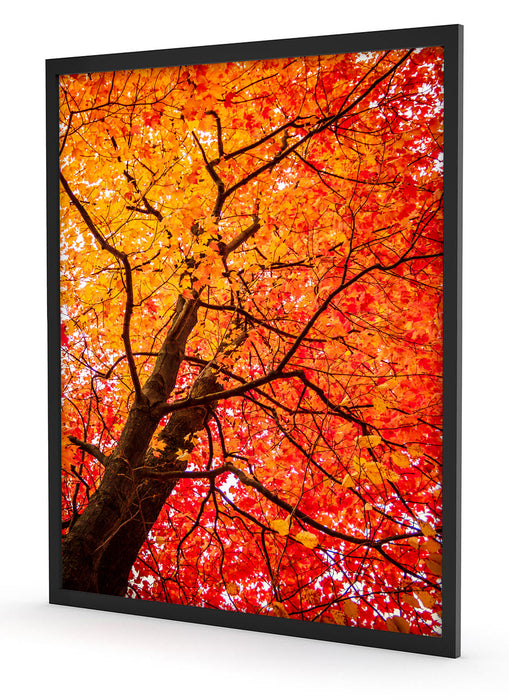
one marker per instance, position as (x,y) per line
(251,287)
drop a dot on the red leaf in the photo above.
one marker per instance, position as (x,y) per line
(64,340)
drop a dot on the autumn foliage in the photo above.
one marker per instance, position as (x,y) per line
(251,333)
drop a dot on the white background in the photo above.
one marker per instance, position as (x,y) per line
(73,653)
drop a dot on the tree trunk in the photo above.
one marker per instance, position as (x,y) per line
(149,496)
(100,549)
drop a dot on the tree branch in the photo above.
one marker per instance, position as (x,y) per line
(220,149)
(165,409)
(320,126)
(147,473)
(89,449)
(215,177)
(309,325)
(360,541)
(242,237)
(129,305)
(254,320)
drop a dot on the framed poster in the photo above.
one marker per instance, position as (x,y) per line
(254,335)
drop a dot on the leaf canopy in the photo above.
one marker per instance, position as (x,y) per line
(288,213)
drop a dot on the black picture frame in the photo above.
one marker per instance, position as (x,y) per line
(451,38)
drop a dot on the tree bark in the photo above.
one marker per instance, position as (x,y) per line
(100,549)
(150,494)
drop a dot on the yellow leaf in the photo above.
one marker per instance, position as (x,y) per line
(374,472)
(347,482)
(232,588)
(282,527)
(325,617)
(373,466)
(413,542)
(427,599)
(280,250)
(410,600)
(368,440)
(158,447)
(376,478)
(400,460)
(307,539)
(350,608)
(379,405)
(279,609)
(415,450)
(358,463)
(434,567)
(397,624)
(427,529)
(391,626)
(338,617)
(183,456)
(431,546)
(311,597)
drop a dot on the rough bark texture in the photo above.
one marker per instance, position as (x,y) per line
(101,547)
(149,496)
